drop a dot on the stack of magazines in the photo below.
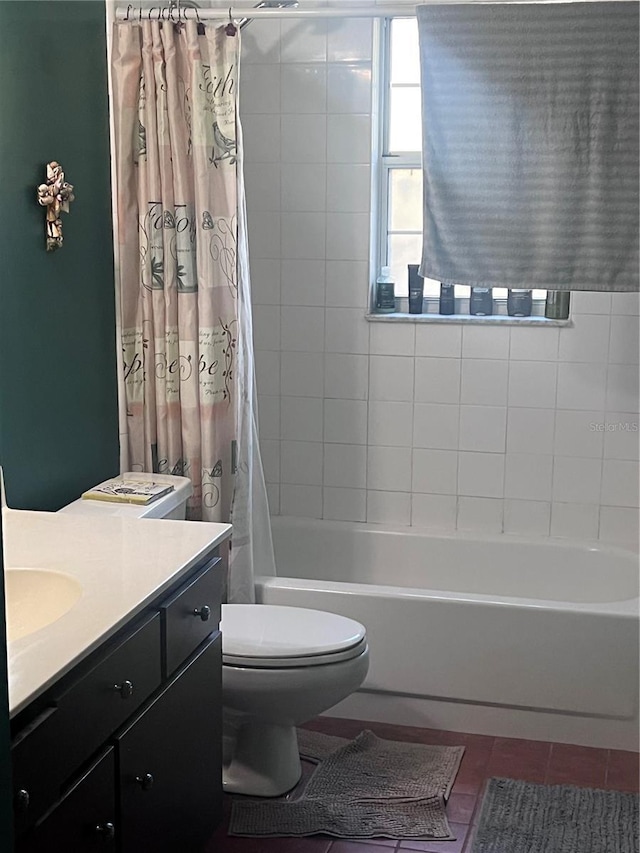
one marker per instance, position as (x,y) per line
(128,490)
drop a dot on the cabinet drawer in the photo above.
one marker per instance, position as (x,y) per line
(84,716)
(83,820)
(191,614)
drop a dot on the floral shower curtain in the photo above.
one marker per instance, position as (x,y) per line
(184,296)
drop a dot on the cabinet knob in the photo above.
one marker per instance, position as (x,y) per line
(22,800)
(125,689)
(204,613)
(106,831)
(145,782)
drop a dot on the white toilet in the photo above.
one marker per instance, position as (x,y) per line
(281,666)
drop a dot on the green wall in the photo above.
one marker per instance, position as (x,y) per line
(58,403)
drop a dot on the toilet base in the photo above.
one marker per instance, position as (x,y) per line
(265,761)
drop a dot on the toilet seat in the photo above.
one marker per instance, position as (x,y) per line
(265,636)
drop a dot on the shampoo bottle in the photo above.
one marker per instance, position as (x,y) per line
(447,299)
(416,290)
(557,305)
(519,303)
(385,292)
(481,301)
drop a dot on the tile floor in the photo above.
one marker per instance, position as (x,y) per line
(534,761)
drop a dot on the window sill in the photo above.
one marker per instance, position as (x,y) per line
(466,319)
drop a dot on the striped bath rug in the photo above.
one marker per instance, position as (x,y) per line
(362,788)
(522,817)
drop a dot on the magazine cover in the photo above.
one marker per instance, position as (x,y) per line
(127,490)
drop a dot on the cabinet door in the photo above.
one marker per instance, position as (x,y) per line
(170,761)
(83,820)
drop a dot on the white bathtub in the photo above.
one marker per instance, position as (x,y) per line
(497,635)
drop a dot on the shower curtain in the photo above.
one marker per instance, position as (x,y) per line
(184,295)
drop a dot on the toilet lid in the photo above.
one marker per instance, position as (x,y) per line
(273,634)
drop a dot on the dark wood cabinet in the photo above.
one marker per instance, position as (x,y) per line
(81,715)
(125,753)
(170,763)
(83,821)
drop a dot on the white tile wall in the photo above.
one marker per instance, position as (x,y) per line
(437,512)
(525,431)
(301,418)
(437,379)
(390,423)
(436,426)
(435,472)
(345,421)
(392,508)
(481,475)
(575,520)
(527,518)
(344,504)
(345,465)
(389,469)
(301,374)
(482,514)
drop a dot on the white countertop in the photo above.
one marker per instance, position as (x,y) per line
(122,565)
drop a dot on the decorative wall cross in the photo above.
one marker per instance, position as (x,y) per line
(55,195)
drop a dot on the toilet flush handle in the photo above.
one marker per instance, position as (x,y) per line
(204,613)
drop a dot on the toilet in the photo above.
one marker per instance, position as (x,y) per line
(281,666)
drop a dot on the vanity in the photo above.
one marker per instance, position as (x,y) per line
(116,703)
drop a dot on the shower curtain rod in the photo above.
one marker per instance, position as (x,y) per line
(183,13)
(176,12)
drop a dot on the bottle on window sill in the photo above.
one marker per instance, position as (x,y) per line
(447,299)
(481,301)
(519,303)
(557,305)
(385,292)
(416,290)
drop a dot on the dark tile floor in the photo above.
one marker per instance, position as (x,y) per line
(484,757)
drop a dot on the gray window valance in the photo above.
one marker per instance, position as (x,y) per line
(530,148)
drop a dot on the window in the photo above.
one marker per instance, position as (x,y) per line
(399,235)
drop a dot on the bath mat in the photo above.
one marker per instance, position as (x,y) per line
(363,788)
(521,817)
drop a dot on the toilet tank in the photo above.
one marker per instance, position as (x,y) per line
(171,505)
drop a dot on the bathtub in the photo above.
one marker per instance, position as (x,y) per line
(496,635)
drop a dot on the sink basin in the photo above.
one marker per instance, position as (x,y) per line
(37,598)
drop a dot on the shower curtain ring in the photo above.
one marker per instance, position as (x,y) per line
(230,29)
